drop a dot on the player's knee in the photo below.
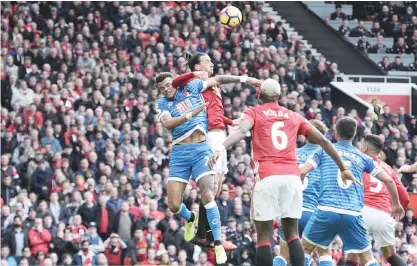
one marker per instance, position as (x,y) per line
(324,252)
(174,206)
(207,195)
(388,251)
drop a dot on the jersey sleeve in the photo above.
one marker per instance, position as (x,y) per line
(304,127)
(162,109)
(370,166)
(315,159)
(249,115)
(402,193)
(197,85)
(182,80)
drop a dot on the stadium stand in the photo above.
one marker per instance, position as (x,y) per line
(396,22)
(85,161)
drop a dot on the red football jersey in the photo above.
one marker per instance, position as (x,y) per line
(376,194)
(274,139)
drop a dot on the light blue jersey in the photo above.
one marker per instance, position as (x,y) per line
(187,99)
(335,195)
(311,183)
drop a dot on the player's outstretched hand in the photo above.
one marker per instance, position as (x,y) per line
(212,160)
(405,169)
(236,122)
(254,82)
(201,75)
(199,108)
(397,212)
(347,175)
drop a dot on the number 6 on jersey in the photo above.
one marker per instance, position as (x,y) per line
(276,133)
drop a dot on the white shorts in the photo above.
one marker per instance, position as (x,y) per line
(380,225)
(215,139)
(278,196)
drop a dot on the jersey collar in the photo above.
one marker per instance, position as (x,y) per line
(344,143)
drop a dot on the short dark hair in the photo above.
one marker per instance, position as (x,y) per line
(194,60)
(346,128)
(375,142)
(162,76)
(319,125)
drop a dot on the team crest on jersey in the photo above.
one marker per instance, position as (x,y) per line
(183,106)
(170,104)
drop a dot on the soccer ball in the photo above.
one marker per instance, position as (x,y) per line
(230,17)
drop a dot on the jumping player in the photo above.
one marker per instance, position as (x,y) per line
(278,188)
(311,193)
(182,111)
(340,204)
(377,210)
(216,135)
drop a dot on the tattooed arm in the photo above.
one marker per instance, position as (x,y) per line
(226,79)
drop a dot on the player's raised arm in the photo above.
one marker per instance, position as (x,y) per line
(408,168)
(170,122)
(226,79)
(245,125)
(316,137)
(397,210)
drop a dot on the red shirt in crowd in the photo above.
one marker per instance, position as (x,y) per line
(376,194)
(274,139)
(104,224)
(39,241)
(78,232)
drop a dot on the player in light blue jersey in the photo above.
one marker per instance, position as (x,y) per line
(311,193)
(340,203)
(182,111)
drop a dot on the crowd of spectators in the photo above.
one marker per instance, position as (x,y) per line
(389,21)
(84,160)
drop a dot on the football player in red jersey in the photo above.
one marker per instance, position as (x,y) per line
(278,189)
(201,63)
(377,210)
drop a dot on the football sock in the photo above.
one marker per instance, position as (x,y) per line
(279,261)
(297,257)
(202,220)
(185,213)
(213,217)
(306,259)
(264,253)
(396,261)
(325,260)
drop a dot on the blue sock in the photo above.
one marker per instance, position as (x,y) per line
(183,212)
(279,261)
(326,260)
(306,260)
(213,217)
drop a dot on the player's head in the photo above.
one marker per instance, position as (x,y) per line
(201,62)
(270,91)
(372,145)
(164,83)
(346,128)
(319,125)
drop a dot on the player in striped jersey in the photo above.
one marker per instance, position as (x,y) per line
(377,210)
(340,202)
(311,193)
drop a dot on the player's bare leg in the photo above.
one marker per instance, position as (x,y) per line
(308,249)
(207,185)
(296,251)
(325,256)
(264,231)
(175,205)
(367,258)
(391,256)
